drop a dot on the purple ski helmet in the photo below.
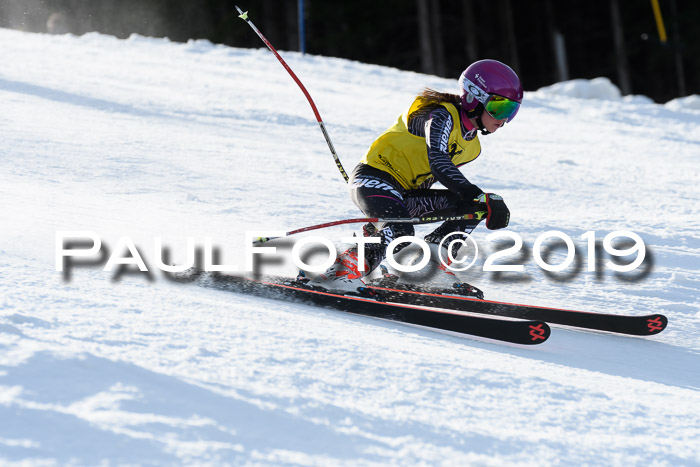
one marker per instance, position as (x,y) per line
(494,85)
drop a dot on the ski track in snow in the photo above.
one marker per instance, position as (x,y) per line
(146,138)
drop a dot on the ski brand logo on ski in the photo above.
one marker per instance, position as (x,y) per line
(655,324)
(537,332)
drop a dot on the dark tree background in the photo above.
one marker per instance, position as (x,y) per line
(613,38)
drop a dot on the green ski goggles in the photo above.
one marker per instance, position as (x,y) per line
(501,108)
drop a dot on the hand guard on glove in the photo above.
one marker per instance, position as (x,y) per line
(498,213)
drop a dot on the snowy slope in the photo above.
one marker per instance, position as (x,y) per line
(144,138)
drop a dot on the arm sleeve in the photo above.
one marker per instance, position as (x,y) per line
(438,127)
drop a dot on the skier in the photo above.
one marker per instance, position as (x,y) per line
(427,144)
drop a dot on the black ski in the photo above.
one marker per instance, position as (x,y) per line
(644,325)
(527,332)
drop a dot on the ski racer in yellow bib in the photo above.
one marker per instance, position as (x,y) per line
(404,155)
(427,144)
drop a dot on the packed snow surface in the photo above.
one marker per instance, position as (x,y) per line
(144,138)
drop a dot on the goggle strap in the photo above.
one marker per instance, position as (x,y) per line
(481,95)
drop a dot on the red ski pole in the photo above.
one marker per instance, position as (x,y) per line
(244,17)
(401,220)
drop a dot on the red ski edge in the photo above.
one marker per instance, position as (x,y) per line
(644,325)
(524,332)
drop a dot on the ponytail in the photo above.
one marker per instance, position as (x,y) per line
(439,97)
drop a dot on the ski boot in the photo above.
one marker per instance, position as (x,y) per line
(343,276)
(435,277)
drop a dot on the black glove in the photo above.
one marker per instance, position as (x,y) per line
(498,215)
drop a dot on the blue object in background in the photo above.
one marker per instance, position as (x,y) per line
(302,35)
